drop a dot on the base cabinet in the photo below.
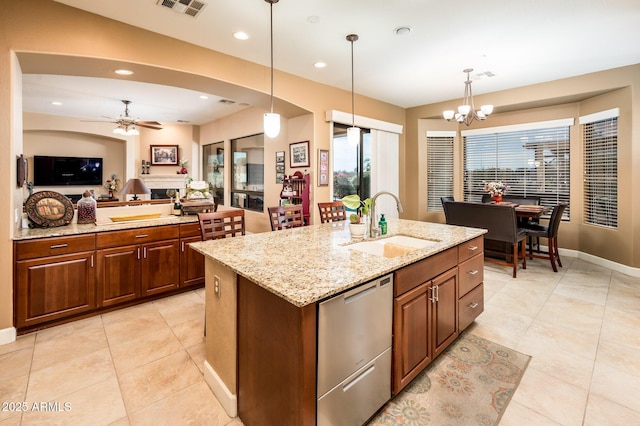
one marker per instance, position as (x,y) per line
(191,262)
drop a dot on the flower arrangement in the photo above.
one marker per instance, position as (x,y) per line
(495,188)
(183,166)
(113,183)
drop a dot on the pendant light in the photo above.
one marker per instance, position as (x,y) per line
(353,132)
(271,120)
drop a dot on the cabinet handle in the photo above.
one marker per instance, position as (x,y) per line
(473,305)
(142,236)
(473,248)
(437,293)
(144,252)
(183,246)
(92,261)
(475,271)
(138,253)
(58,246)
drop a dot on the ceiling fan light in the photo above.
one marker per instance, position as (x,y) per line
(132,132)
(353,136)
(448,114)
(119,131)
(487,109)
(271,124)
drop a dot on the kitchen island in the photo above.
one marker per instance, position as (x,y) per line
(262,297)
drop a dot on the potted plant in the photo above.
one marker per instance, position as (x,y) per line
(357,220)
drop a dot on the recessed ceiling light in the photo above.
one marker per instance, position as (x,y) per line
(402,30)
(204,97)
(320,64)
(56,103)
(124,72)
(240,35)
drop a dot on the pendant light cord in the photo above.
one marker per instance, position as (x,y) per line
(271,32)
(352,38)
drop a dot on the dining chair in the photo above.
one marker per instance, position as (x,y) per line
(283,217)
(222,224)
(332,211)
(550,232)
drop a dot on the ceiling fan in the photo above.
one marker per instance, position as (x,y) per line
(126,124)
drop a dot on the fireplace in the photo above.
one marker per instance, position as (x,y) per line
(158,184)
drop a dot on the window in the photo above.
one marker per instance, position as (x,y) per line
(351,164)
(439,170)
(213,166)
(600,140)
(247,178)
(533,161)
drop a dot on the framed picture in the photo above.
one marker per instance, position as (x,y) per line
(299,154)
(323,167)
(279,166)
(164,155)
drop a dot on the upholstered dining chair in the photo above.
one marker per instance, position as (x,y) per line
(283,217)
(332,211)
(550,232)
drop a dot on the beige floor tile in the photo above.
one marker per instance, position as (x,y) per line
(501,336)
(198,354)
(22,342)
(583,289)
(513,300)
(190,332)
(617,385)
(552,398)
(616,355)
(555,337)
(12,391)
(180,308)
(15,364)
(514,323)
(127,328)
(13,420)
(575,314)
(194,405)
(99,404)
(200,292)
(129,313)
(621,326)
(154,345)
(61,343)
(124,421)
(158,380)
(516,412)
(601,411)
(67,377)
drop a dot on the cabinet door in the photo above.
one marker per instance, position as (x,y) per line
(191,263)
(160,267)
(54,287)
(118,275)
(445,310)
(411,335)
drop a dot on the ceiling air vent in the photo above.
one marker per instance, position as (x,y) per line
(226,101)
(186,7)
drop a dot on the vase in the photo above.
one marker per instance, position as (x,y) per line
(357,230)
(497,198)
(110,194)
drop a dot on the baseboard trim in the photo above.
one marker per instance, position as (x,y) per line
(228,400)
(614,266)
(8,335)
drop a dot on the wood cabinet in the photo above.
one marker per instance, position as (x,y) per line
(61,278)
(191,262)
(54,278)
(137,263)
(435,300)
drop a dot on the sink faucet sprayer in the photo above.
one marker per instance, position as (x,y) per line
(374,231)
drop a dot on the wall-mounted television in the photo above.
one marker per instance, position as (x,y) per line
(57,171)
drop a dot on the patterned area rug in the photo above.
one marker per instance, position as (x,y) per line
(470,383)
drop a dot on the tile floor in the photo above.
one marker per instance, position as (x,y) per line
(143,365)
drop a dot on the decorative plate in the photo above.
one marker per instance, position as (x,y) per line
(49,209)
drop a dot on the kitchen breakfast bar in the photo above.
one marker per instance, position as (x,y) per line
(305,326)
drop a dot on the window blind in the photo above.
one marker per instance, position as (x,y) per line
(532,162)
(600,140)
(439,170)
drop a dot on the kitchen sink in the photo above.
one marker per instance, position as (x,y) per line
(394,246)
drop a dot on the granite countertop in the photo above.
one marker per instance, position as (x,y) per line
(305,265)
(104,226)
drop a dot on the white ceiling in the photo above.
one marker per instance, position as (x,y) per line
(520,42)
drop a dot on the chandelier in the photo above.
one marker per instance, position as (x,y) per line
(467,112)
(126,129)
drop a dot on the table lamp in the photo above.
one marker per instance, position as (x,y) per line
(135,186)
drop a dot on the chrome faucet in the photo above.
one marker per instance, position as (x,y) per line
(374,231)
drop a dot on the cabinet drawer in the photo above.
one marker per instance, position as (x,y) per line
(470,306)
(137,236)
(190,230)
(471,274)
(470,248)
(54,246)
(412,276)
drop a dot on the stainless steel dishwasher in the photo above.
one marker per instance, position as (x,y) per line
(354,353)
